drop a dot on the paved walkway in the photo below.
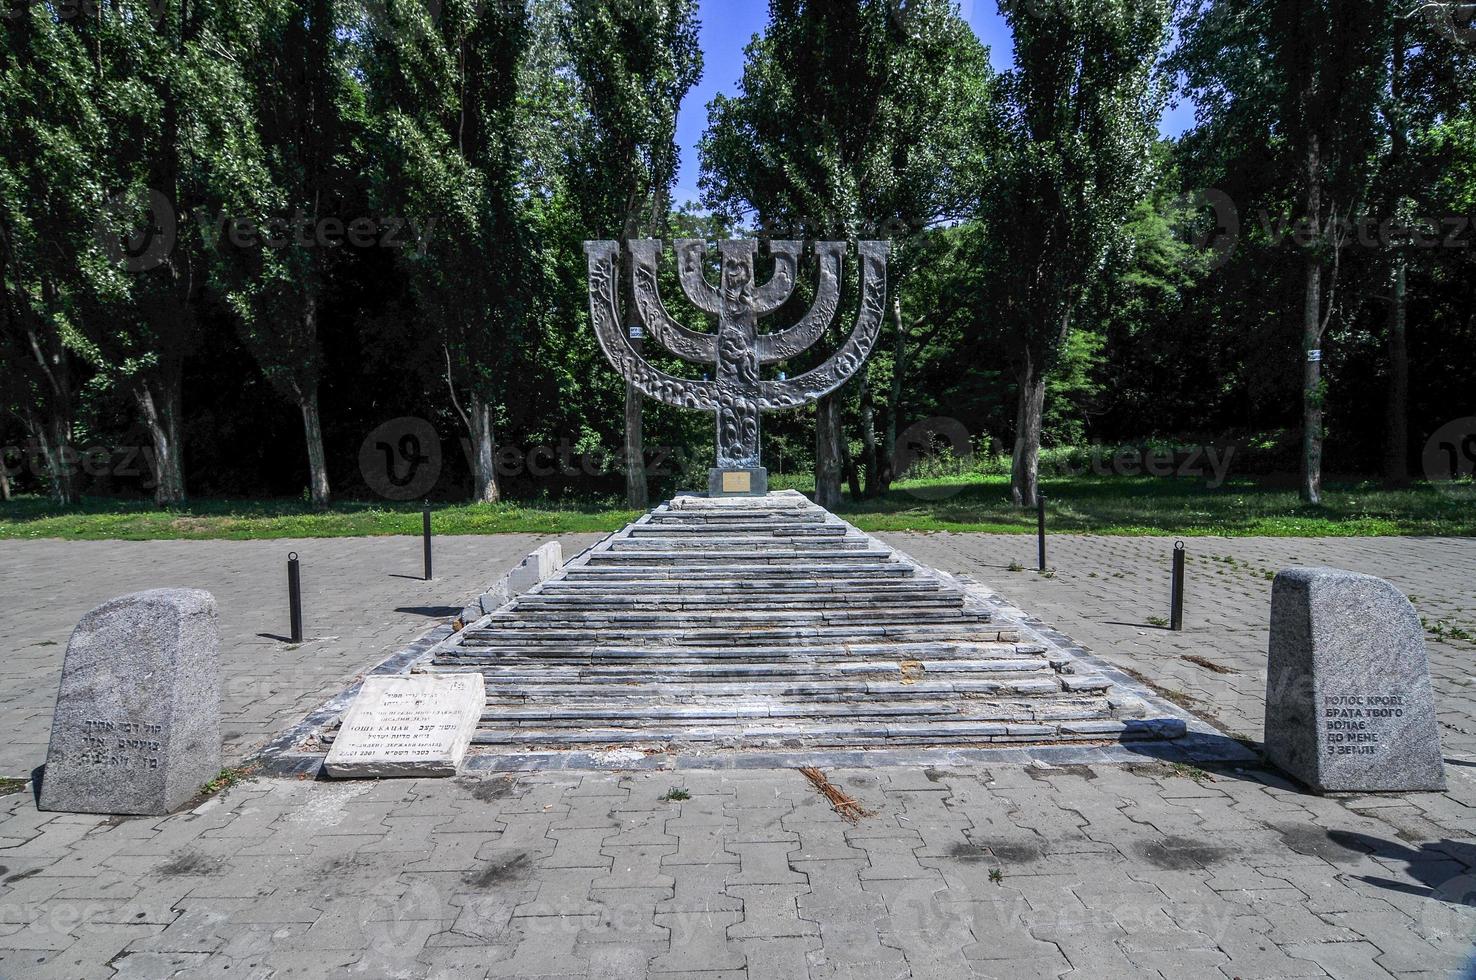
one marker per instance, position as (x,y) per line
(1142,871)
(363,599)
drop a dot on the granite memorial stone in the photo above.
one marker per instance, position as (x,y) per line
(1348,698)
(736,391)
(137,722)
(415,725)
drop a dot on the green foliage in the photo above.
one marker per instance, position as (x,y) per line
(1077,118)
(634,61)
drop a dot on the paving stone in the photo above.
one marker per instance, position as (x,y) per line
(777,956)
(769,912)
(699,940)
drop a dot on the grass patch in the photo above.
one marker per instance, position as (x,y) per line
(1184,770)
(1116,505)
(227,778)
(1121,505)
(1157,621)
(251,520)
(676,794)
(9,784)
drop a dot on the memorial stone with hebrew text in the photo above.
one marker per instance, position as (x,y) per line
(137,723)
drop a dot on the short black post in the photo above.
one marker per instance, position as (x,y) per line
(294,595)
(1176,613)
(425,527)
(1040,527)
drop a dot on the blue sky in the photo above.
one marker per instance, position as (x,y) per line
(727,26)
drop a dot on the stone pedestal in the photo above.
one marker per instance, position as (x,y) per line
(747,482)
(415,725)
(1348,699)
(137,723)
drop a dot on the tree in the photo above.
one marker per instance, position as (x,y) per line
(635,60)
(1079,117)
(855,118)
(448,93)
(48,192)
(1311,74)
(170,98)
(288,191)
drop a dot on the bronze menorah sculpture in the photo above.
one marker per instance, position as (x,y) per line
(736,392)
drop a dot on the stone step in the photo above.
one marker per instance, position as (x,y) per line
(895,616)
(757,549)
(752,604)
(831,555)
(802,653)
(524,632)
(781,736)
(683,529)
(920,673)
(844,572)
(603,584)
(877,693)
(620,714)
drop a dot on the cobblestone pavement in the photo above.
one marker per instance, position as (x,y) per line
(1104,589)
(1005,871)
(363,599)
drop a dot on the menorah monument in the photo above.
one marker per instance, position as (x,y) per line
(736,391)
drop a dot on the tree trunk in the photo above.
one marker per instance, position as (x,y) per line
(894,398)
(828,451)
(61,458)
(1312,384)
(848,467)
(312,428)
(637,491)
(868,439)
(483,444)
(1396,440)
(1312,337)
(1025,467)
(53,453)
(160,411)
(1396,446)
(55,378)
(4,482)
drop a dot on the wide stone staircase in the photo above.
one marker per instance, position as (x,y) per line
(769,623)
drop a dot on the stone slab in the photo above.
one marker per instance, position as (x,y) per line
(1349,705)
(543,562)
(137,722)
(407,726)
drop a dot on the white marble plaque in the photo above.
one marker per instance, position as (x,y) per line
(416,725)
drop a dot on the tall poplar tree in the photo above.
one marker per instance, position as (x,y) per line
(853,119)
(454,134)
(635,60)
(1079,117)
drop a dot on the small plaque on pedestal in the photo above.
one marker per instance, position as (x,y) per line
(751,482)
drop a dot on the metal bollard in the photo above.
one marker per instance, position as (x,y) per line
(294,595)
(426,530)
(1040,502)
(1176,613)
